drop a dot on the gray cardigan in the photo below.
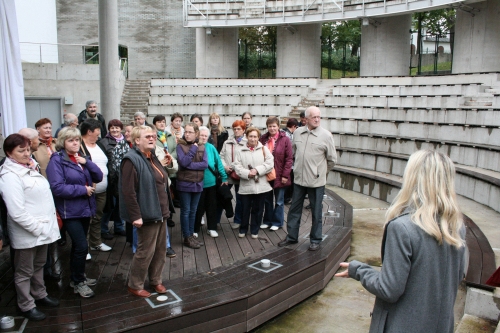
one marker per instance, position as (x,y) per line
(417,286)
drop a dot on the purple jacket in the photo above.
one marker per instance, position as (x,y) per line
(283,158)
(67,182)
(185,161)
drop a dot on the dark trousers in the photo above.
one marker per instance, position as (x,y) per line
(252,211)
(289,189)
(77,230)
(208,205)
(237,208)
(295,213)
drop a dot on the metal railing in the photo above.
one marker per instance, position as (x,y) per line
(54,52)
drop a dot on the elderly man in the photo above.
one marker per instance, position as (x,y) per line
(69,119)
(140,118)
(90,112)
(315,156)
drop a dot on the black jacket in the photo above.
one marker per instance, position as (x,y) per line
(83,115)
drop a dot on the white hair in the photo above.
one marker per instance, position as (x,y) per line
(204,128)
(69,118)
(309,109)
(140,114)
(29,133)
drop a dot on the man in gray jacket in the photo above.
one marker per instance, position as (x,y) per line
(315,156)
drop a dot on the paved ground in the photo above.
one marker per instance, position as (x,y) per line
(344,305)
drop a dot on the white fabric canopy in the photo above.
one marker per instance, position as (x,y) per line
(12,106)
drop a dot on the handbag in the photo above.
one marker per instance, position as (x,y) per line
(271,175)
(233,173)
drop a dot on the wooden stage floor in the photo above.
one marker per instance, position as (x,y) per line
(212,289)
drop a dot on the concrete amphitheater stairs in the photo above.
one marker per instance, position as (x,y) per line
(135,98)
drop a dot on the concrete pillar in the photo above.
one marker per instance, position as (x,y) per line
(109,72)
(385,46)
(298,51)
(477,39)
(217,53)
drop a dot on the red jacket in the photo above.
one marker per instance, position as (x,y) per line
(283,158)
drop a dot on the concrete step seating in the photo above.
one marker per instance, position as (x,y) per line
(225,99)
(228,90)
(306,82)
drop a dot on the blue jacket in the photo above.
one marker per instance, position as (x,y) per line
(67,182)
(214,162)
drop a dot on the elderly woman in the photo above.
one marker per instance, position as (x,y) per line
(47,144)
(71,177)
(127,134)
(193,161)
(252,162)
(234,143)
(175,127)
(144,203)
(208,199)
(280,146)
(32,224)
(218,134)
(115,147)
(422,252)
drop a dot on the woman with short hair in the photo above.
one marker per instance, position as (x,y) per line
(247,118)
(71,177)
(252,162)
(192,159)
(32,224)
(422,252)
(218,134)
(175,127)
(47,144)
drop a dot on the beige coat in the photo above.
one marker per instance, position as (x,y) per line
(226,153)
(315,156)
(255,158)
(160,154)
(42,156)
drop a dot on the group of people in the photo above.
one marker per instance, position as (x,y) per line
(139,173)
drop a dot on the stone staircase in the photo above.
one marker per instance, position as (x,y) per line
(135,98)
(484,99)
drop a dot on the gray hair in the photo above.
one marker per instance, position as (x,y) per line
(89,103)
(204,128)
(69,118)
(65,134)
(29,133)
(140,114)
(309,109)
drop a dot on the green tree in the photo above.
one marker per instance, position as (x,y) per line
(436,22)
(343,32)
(258,35)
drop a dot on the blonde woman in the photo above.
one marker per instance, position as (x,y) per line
(218,134)
(422,252)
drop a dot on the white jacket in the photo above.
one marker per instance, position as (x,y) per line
(255,158)
(31,218)
(228,153)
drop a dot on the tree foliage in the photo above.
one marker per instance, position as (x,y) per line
(436,22)
(342,33)
(265,35)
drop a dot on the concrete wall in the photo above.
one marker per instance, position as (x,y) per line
(385,49)
(158,44)
(79,82)
(217,53)
(477,39)
(298,51)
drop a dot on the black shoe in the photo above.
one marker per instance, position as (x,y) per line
(286,242)
(288,201)
(313,246)
(170,252)
(48,301)
(52,277)
(61,242)
(177,203)
(33,314)
(120,233)
(308,206)
(170,223)
(107,236)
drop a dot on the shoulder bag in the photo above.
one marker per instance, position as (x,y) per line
(271,175)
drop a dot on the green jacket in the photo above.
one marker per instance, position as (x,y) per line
(213,163)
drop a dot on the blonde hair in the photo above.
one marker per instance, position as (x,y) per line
(220,128)
(429,191)
(67,133)
(137,130)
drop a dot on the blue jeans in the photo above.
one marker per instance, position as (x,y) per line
(275,214)
(119,225)
(295,213)
(253,209)
(77,230)
(237,208)
(134,238)
(189,204)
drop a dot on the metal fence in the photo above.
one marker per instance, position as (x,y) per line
(337,60)
(256,60)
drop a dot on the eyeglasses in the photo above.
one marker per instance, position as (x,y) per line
(149,137)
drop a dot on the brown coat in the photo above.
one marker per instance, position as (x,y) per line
(42,156)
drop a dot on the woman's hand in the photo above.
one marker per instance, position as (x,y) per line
(81,160)
(90,190)
(168,159)
(344,274)
(284,180)
(228,169)
(137,223)
(252,173)
(225,183)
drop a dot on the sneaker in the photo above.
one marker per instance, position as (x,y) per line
(195,235)
(274,228)
(83,290)
(89,282)
(255,236)
(103,247)
(202,220)
(88,256)
(264,226)
(241,235)
(170,252)
(213,233)
(235,225)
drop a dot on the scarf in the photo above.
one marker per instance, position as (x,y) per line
(250,147)
(271,142)
(162,136)
(48,143)
(32,165)
(116,139)
(215,134)
(238,139)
